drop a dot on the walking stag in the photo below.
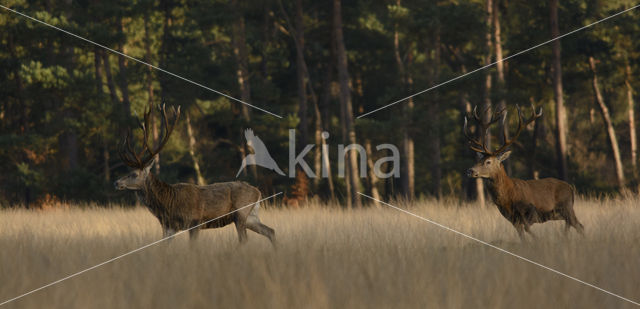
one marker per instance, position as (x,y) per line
(522,202)
(181,206)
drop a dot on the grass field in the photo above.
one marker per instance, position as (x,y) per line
(326,258)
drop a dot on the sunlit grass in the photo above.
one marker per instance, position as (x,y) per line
(326,258)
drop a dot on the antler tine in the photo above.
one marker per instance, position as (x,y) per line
(504,125)
(522,123)
(137,160)
(533,109)
(145,131)
(497,115)
(168,128)
(475,114)
(474,144)
(479,145)
(123,155)
(508,142)
(126,154)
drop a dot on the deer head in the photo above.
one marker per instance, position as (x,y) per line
(143,160)
(491,161)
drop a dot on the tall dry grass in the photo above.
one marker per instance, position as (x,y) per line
(326,258)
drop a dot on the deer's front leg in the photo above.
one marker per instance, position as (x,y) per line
(242,231)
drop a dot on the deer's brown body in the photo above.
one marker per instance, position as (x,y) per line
(182,206)
(525,202)
(522,202)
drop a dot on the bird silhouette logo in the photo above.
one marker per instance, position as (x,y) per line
(260,155)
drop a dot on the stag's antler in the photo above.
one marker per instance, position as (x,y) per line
(522,123)
(138,159)
(480,145)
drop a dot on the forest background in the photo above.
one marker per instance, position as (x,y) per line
(66,104)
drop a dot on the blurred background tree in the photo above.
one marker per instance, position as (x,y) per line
(65,104)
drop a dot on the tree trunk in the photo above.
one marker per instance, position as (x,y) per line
(266,31)
(470,184)
(538,134)
(327,92)
(407,175)
(561,116)
(486,102)
(150,94)
(69,145)
(501,84)
(300,74)
(610,129)
(164,48)
(97,61)
(304,81)
(149,86)
(242,60)
(242,73)
(110,84)
(323,113)
(407,166)
(434,111)
(105,158)
(345,140)
(373,179)
(123,85)
(122,74)
(192,150)
(345,100)
(486,95)
(632,122)
(20,110)
(396,51)
(69,137)
(321,143)
(105,145)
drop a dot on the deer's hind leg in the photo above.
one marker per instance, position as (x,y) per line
(242,232)
(254,224)
(241,228)
(575,223)
(571,220)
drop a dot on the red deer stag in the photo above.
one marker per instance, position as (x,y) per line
(522,202)
(183,205)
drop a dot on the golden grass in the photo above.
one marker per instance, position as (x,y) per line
(326,258)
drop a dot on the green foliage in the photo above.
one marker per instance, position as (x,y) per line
(61,121)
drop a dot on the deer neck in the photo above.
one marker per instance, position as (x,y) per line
(157,195)
(501,188)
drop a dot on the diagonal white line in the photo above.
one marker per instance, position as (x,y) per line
(503,250)
(140,61)
(496,62)
(128,253)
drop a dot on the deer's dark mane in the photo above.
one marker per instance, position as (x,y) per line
(159,197)
(502,190)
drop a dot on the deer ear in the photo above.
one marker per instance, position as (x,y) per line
(505,155)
